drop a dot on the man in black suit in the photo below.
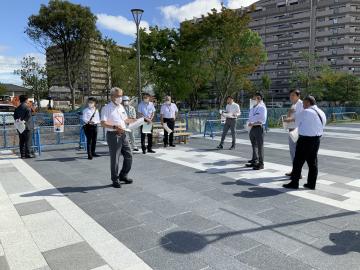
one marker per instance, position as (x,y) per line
(23,113)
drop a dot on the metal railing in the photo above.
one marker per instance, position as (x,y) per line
(197,122)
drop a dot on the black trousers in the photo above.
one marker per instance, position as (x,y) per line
(25,142)
(169,138)
(256,135)
(91,137)
(149,137)
(306,150)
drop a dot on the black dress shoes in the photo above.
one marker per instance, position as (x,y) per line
(30,156)
(116,184)
(219,147)
(96,155)
(309,187)
(172,145)
(250,164)
(291,185)
(232,147)
(126,180)
(258,167)
(90,157)
(151,151)
(144,151)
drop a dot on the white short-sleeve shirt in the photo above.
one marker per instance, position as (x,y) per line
(114,115)
(169,111)
(88,113)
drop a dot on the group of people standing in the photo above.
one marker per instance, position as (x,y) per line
(115,118)
(305,121)
(306,124)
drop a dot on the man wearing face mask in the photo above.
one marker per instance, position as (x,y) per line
(146,109)
(168,115)
(131,114)
(91,119)
(114,120)
(257,120)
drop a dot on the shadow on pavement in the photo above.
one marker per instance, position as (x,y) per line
(63,191)
(186,242)
(344,242)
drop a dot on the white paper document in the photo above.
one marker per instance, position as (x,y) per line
(166,127)
(20,125)
(138,123)
(294,135)
(146,128)
(287,125)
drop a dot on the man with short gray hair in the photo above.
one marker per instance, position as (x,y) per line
(114,120)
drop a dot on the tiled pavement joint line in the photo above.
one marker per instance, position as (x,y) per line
(279,146)
(114,253)
(21,251)
(258,178)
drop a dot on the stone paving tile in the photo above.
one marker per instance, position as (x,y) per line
(195,223)
(15,182)
(167,257)
(3,263)
(49,230)
(156,222)
(218,195)
(116,221)
(229,241)
(166,208)
(264,257)
(78,256)
(33,207)
(98,207)
(140,238)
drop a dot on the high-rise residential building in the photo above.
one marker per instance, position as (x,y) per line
(329,28)
(94,76)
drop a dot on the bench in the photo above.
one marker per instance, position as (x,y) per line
(180,133)
(344,116)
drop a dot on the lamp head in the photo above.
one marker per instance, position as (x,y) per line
(137,14)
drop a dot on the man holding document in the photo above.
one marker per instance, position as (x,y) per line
(168,115)
(231,113)
(114,120)
(146,109)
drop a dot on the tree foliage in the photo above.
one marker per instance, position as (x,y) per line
(2,89)
(68,27)
(33,75)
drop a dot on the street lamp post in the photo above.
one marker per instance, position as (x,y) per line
(137,14)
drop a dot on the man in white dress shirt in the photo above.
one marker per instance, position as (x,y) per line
(311,122)
(232,112)
(114,120)
(147,110)
(295,110)
(168,113)
(257,120)
(91,119)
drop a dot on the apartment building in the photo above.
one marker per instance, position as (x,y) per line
(94,77)
(329,28)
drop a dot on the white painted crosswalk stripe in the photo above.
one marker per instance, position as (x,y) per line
(279,146)
(225,165)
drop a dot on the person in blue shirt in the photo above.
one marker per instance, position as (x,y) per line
(147,110)
(257,120)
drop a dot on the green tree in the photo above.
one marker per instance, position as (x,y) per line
(347,88)
(309,77)
(33,75)
(265,85)
(2,89)
(233,50)
(68,27)
(123,69)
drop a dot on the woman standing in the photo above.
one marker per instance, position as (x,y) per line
(91,119)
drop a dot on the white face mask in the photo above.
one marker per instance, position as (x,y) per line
(146,100)
(118,100)
(91,105)
(167,102)
(126,103)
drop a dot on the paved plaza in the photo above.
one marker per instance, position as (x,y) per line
(189,208)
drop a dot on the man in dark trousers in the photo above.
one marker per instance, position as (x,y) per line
(23,113)
(310,122)
(168,115)
(91,119)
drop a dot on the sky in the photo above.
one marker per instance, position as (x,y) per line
(114,21)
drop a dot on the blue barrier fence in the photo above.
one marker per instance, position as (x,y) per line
(197,122)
